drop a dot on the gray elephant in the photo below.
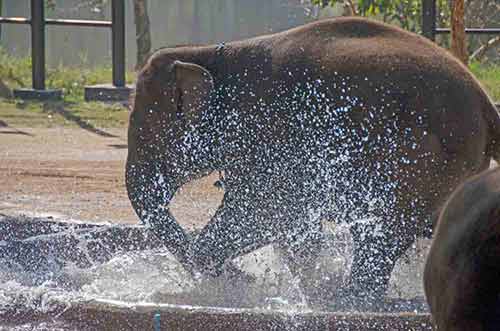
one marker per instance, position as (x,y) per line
(346,119)
(462,268)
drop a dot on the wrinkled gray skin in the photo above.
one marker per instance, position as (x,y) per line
(346,120)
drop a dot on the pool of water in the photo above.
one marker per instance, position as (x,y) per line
(34,300)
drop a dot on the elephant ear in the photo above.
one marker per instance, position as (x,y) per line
(193,85)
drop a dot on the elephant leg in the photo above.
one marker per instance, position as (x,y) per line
(300,246)
(376,249)
(236,229)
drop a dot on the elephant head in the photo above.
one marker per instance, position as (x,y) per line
(170,98)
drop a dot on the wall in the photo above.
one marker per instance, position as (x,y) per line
(172,22)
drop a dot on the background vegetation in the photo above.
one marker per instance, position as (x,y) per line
(16,73)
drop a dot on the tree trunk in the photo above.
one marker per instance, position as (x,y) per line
(458,37)
(142,32)
(349,8)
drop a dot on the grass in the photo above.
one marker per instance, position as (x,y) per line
(16,72)
(489,75)
(73,110)
(89,115)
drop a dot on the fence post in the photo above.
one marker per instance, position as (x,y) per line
(117,91)
(107,92)
(429,19)
(38,91)
(118,40)
(38,44)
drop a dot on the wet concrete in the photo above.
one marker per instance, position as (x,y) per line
(113,315)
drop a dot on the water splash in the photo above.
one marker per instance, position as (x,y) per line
(155,276)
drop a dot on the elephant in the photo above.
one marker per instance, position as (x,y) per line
(347,120)
(462,267)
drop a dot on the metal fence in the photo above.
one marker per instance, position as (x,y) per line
(429,29)
(38,23)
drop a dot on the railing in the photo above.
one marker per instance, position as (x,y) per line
(38,23)
(429,29)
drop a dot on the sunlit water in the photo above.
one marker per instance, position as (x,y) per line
(155,276)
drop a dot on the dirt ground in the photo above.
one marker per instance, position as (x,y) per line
(79,174)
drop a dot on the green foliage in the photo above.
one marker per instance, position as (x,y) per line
(16,72)
(489,76)
(72,111)
(406,13)
(51,5)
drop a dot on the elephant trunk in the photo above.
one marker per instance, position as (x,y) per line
(150,193)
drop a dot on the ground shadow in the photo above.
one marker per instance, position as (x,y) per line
(58,108)
(13,130)
(119,146)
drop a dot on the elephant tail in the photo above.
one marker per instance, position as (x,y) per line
(492,115)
